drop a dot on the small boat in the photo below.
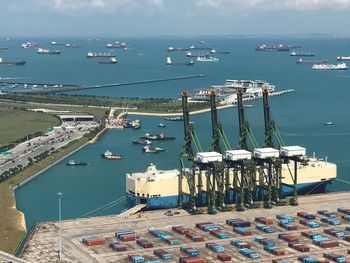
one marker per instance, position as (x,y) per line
(207,59)
(177,118)
(136,124)
(72,45)
(329,123)
(111,156)
(142,141)
(74,163)
(155,137)
(300,54)
(214,51)
(161,125)
(340,66)
(4,48)
(150,149)
(343,58)
(48,51)
(170,63)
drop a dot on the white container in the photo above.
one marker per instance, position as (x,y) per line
(208,157)
(289,151)
(236,155)
(264,153)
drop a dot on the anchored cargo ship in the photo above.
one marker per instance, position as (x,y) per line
(301,54)
(343,58)
(160,188)
(13,63)
(302,61)
(279,47)
(48,51)
(340,66)
(170,63)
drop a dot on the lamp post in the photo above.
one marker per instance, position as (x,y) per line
(59,194)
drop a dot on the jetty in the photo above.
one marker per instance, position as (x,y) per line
(52,88)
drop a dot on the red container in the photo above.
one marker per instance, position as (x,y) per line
(303,248)
(198,239)
(330,243)
(279,252)
(348,251)
(223,257)
(347,238)
(190,235)
(291,228)
(191,260)
(243,245)
(291,239)
(121,249)
(131,237)
(199,225)
(93,242)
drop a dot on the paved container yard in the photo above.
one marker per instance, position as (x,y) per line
(44,244)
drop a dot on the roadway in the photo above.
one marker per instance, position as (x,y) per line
(7,258)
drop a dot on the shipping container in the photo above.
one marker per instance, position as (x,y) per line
(223,257)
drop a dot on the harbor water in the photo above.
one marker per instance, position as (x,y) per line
(319,97)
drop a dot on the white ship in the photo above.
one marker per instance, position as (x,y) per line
(340,66)
(343,58)
(160,188)
(207,59)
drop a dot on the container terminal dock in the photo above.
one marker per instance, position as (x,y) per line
(100,232)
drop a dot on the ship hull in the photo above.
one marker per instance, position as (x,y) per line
(165,202)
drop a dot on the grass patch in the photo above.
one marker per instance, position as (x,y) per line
(17,123)
(11,220)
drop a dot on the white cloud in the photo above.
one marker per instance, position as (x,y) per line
(275,4)
(104,5)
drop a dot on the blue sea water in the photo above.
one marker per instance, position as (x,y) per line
(319,96)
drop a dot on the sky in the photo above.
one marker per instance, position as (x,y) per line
(76,18)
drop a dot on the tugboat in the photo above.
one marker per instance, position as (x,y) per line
(329,123)
(111,156)
(74,163)
(156,137)
(161,125)
(150,149)
(142,141)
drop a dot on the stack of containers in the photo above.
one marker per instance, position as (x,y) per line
(335,257)
(308,259)
(93,240)
(144,243)
(265,241)
(180,230)
(346,217)
(330,221)
(219,234)
(126,235)
(164,236)
(344,210)
(243,231)
(312,224)
(288,238)
(249,253)
(238,243)
(299,247)
(136,259)
(327,213)
(237,222)
(279,261)
(153,261)
(265,228)
(215,247)
(306,215)
(324,242)
(223,257)
(163,254)
(264,220)
(155,232)
(191,260)
(117,246)
(208,226)
(275,250)
(194,237)
(286,218)
(334,232)
(190,251)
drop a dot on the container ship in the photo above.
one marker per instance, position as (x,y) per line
(300,54)
(303,61)
(46,51)
(159,189)
(100,55)
(340,66)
